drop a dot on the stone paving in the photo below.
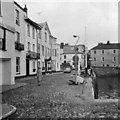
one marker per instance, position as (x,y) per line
(55,98)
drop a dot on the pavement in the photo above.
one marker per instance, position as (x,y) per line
(82,93)
(5,109)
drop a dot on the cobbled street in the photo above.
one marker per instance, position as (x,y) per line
(53,99)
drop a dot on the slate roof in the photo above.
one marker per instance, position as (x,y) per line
(107,46)
(33,23)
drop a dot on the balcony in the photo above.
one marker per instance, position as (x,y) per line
(32,55)
(19,46)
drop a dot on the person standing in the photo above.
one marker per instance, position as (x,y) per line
(95,84)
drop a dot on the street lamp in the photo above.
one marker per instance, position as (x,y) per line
(76,56)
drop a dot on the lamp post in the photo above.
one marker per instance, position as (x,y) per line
(76,56)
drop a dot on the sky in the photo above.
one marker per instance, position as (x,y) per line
(66,18)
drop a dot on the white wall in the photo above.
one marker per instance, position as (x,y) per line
(7,57)
(21,29)
(6,72)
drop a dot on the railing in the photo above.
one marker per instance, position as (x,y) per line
(19,46)
(32,55)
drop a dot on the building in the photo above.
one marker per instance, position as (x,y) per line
(7,43)
(20,53)
(24,44)
(46,46)
(119,21)
(53,42)
(33,46)
(58,60)
(69,53)
(105,55)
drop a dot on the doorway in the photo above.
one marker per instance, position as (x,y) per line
(27,67)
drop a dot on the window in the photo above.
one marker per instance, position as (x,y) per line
(103,65)
(34,66)
(17,64)
(55,52)
(0,8)
(102,58)
(28,46)
(107,65)
(57,65)
(94,51)
(94,59)
(39,34)
(33,47)
(64,56)
(17,17)
(60,58)
(39,64)
(102,51)
(28,30)
(114,59)
(114,51)
(3,39)
(38,48)
(33,32)
(43,66)
(42,50)
(45,37)
(65,61)
(18,37)
(46,51)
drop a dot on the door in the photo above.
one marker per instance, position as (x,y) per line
(27,67)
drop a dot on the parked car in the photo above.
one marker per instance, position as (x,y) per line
(67,70)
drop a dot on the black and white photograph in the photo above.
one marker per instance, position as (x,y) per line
(59,59)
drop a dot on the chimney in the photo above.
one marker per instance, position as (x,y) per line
(26,10)
(108,42)
(62,45)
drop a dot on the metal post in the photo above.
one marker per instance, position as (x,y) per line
(76,57)
(75,65)
(37,60)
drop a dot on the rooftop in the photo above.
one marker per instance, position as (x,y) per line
(108,45)
(33,23)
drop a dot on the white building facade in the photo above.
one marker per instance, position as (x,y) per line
(68,55)
(7,47)
(53,43)
(24,44)
(46,46)
(20,53)
(58,61)
(33,46)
